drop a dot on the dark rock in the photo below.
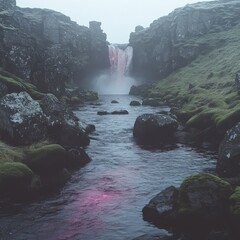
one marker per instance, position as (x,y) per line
(162,209)
(135,103)
(3,89)
(90,128)
(203,202)
(119,112)
(69,136)
(48,49)
(27,124)
(114,101)
(169,43)
(139,28)
(103,113)
(15,179)
(151,102)
(154,128)
(228,163)
(141,90)
(76,157)
(53,109)
(155,237)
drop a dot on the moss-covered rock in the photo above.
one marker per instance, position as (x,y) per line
(15,179)
(203,200)
(47,159)
(235,203)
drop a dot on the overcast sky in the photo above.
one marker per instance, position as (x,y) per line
(119,17)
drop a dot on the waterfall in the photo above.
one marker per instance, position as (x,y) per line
(120,60)
(118,80)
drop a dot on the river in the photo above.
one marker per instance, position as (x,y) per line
(104,199)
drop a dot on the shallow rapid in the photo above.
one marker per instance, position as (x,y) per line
(104,199)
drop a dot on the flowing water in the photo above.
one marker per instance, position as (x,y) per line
(103,200)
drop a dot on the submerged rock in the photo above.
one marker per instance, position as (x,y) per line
(154,128)
(135,103)
(119,112)
(228,163)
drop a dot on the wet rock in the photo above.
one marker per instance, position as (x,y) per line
(114,101)
(119,112)
(27,123)
(153,128)
(76,157)
(103,113)
(162,209)
(90,128)
(155,237)
(141,90)
(228,163)
(135,103)
(151,102)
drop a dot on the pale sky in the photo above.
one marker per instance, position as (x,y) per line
(119,17)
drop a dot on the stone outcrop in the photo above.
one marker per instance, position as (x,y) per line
(47,48)
(175,40)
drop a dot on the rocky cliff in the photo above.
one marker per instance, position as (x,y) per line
(174,41)
(47,48)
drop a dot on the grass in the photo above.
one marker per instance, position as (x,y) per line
(205,90)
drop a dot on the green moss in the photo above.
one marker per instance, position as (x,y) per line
(46,159)
(205,184)
(16,84)
(14,178)
(9,153)
(205,90)
(235,203)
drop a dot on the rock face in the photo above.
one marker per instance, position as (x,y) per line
(7,4)
(24,121)
(154,128)
(47,48)
(228,164)
(170,42)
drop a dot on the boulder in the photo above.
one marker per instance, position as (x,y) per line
(119,112)
(154,128)
(135,103)
(141,90)
(90,128)
(69,136)
(162,209)
(114,101)
(24,118)
(151,102)
(47,159)
(228,163)
(203,202)
(15,179)
(103,113)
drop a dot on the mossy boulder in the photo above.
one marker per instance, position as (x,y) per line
(235,203)
(47,159)
(203,201)
(15,179)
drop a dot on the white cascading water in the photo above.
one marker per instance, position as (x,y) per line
(118,81)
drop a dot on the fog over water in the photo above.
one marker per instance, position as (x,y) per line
(119,17)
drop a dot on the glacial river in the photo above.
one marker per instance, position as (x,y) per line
(104,199)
